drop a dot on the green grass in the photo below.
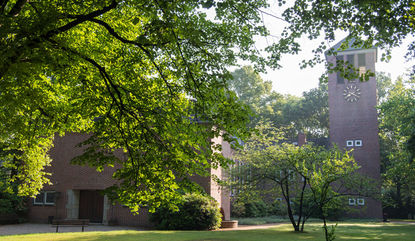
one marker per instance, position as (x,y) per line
(283,232)
(261,220)
(402,220)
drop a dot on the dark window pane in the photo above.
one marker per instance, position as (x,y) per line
(340,79)
(50,197)
(339,61)
(361,59)
(350,59)
(39,198)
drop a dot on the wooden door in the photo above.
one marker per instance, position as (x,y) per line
(91,205)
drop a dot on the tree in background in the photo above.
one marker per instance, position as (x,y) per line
(397,130)
(308,113)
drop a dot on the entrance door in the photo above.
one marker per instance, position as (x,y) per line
(91,205)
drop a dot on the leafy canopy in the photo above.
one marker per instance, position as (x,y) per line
(147,78)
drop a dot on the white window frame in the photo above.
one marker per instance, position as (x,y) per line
(39,203)
(44,198)
(352,202)
(358,143)
(349,143)
(361,201)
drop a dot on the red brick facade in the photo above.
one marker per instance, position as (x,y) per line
(353,119)
(70,182)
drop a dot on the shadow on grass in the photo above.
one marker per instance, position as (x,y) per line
(345,231)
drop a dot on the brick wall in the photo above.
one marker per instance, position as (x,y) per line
(357,121)
(68,179)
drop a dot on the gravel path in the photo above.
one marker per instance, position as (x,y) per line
(26,228)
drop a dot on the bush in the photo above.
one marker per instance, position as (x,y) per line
(196,212)
(252,209)
(13,208)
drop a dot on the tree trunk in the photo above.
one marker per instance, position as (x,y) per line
(300,211)
(326,234)
(286,194)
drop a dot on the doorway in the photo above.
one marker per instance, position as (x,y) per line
(91,205)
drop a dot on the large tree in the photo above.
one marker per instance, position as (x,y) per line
(308,113)
(397,130)
(124,71)
(370,23)
(147,78)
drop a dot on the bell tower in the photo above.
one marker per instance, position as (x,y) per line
(353,118)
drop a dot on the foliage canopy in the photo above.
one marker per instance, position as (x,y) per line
(144,77)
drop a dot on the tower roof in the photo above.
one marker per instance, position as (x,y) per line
(348,44)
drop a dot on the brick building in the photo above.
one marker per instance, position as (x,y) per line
(353,118)
(75,190)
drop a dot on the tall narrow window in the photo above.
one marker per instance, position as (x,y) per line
(339,61)
(361,59)
(350,66)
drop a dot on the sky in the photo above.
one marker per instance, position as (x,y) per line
(290,79)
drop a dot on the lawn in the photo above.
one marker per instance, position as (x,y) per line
(283,232)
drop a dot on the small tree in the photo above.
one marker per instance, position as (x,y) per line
(314,178)
(268,166)
(330,175)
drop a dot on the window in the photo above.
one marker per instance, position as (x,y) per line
(361,59)
(45,198)
(350,59)
(278,199)
(349,143)
(350,66)
(339,60)
(362,71)
(358,143)
(38,199)
(360,201)
(352,202)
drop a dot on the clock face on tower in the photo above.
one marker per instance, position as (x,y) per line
(351,93)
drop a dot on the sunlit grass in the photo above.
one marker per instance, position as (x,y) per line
(282,232)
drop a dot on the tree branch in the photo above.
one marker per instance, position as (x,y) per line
(117,36)
(3,4)
(17,7)
(33,42)
(80,19)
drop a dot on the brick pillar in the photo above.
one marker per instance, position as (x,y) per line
(301,139)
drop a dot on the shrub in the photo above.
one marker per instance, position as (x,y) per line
(253,208)
(196,212)
(12,207)
(256,209)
